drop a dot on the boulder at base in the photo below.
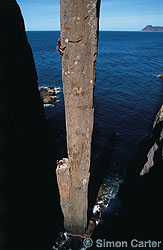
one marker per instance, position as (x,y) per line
(48,95)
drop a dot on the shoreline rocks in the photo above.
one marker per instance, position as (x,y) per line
(160,76)
(48,95)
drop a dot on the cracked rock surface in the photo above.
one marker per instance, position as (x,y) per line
(79,33)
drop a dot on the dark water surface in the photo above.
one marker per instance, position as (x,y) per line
(128,92)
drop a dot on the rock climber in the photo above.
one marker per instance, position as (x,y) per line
(60,48)
(59,163)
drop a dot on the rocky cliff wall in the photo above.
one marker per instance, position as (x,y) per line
(140,213)
(155,154)
(142,196)
(29,200)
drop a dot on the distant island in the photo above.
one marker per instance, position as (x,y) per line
(150,28)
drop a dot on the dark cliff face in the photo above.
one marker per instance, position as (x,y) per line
(30,196)
(140,216)
(143,197)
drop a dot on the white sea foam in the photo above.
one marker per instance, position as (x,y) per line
(48,105)
(57,90)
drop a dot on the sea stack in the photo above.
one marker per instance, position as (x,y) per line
(79,33)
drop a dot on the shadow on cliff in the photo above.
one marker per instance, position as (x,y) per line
(140,216)
(100,162)
(32,216)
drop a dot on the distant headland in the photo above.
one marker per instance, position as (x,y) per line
(150,28)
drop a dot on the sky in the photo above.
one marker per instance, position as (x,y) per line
(115,15)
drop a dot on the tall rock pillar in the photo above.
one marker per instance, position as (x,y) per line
(79,33)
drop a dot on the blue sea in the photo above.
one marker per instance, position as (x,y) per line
(128,92)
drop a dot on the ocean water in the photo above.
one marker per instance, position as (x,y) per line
(127,96)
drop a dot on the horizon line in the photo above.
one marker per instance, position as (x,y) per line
(99,30)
